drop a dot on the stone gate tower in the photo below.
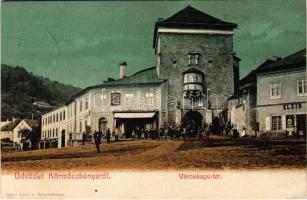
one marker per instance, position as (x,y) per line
(194,52)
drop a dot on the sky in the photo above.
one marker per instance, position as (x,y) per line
(82,43)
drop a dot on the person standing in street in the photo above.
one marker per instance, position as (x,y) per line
(97,138)
(108,135)
(83,138)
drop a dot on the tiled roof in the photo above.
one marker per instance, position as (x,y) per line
(251,77)
(10,126)
(32,123)
(190,17)
(148,75)
(295,60)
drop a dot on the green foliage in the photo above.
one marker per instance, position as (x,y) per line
(20,89)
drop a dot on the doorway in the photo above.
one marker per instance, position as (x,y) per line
(192,119)
(102,125)
(301,124)
(63,139)
(216,126)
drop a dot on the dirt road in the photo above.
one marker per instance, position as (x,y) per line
(218,153)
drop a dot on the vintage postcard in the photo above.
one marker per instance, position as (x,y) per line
(153,99)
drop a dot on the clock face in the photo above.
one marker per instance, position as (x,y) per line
(115,99)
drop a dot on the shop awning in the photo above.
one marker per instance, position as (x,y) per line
(134,115)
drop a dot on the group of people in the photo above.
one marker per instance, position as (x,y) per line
(169,132)
(98,136)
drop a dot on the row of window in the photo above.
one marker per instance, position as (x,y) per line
(275,88)
(54,118)
(51,133)
(99,101)
(130,99)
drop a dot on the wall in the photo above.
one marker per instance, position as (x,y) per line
(7,134)
(100,109)
(288,87)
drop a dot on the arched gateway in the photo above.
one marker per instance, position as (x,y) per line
(192,119)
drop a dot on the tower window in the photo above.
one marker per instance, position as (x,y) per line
(193,57)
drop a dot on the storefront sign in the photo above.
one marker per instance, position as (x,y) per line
(290,121)
(115,99)
(289,106)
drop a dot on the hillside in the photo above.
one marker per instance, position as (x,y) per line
(24,94)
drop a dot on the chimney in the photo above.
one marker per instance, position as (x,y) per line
(122,70)
(277,58)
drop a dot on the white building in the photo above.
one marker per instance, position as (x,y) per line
(15,130)
(120,105)
(281,96)
(54,128)
(272,98)
(7,129)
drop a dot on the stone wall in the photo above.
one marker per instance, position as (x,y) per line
(215,61)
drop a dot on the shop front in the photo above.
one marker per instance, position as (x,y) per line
(128,122)
(287,119)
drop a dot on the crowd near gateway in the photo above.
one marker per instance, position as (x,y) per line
(194,84)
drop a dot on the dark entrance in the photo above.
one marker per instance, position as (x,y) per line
(301,124)
(216,126)
(131,125)
(192,119)
(63,138)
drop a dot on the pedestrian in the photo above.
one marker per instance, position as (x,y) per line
(97,139)
(139,133)
(108,135)
(244,134)
(116,135)
(235,132)
(161,132)
(184,133)
(146,134)
(83,138)
(113,136)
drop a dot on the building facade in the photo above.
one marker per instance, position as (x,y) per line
(272,99)
(54,128)
(281,101)
(7,130)
(196,72)
(22,133)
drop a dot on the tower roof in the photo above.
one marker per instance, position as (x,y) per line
(190,17)
(193,16)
